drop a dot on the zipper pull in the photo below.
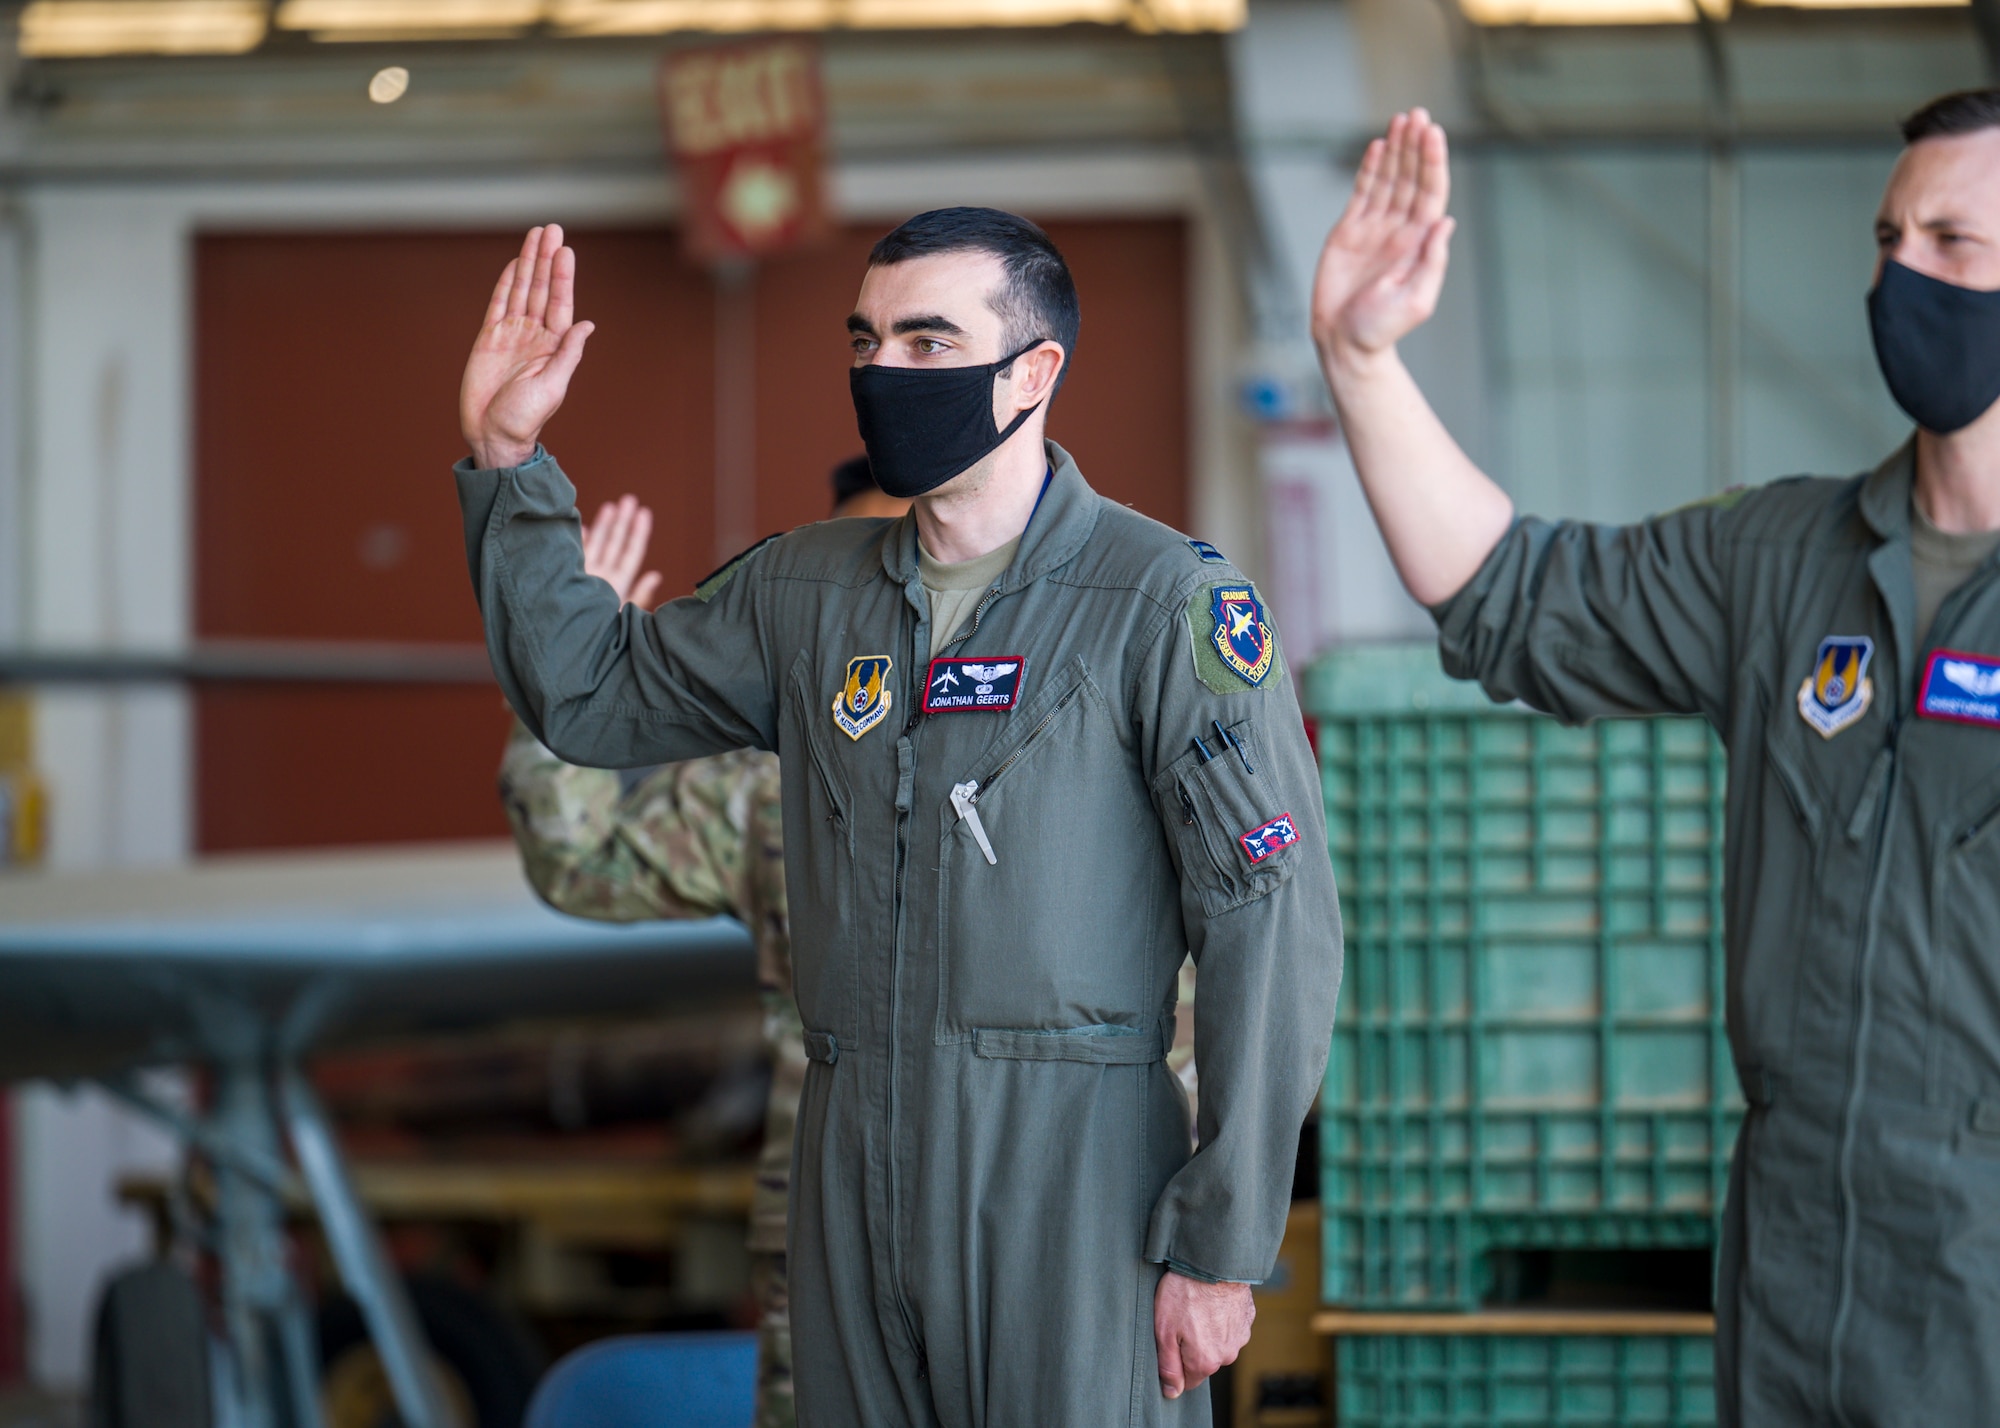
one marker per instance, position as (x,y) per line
(1187,805)
(963,798)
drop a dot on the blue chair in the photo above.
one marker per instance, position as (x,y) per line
(651,1381)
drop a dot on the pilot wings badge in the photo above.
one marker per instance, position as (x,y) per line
(1242,636)
(863,702)
(1838,691)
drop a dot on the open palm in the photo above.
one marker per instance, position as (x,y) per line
(1384,262)
(524,355)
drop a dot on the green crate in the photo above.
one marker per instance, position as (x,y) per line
(1480,1381)
(1529,1051)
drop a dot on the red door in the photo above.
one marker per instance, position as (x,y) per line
(326,383)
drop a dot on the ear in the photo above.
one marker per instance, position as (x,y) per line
(1035,375)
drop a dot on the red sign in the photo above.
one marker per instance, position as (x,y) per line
(746,125)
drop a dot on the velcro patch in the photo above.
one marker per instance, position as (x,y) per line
(1962,688)
(1207,552)
(1261,842)
(988,683)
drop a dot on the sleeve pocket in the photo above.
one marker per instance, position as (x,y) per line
(1235,840)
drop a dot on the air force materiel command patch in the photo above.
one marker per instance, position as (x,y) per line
(863,702)
(1838,691)
(1242,636)
(1963,688)
(1207,552)
(957,685)
(1261,842)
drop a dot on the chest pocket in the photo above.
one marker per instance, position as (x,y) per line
(1052,929)
(1236,844)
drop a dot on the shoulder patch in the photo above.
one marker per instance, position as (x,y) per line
(1234,645)
(710,585)
(1207,552)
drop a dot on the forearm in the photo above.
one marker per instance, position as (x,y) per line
(1440,515)
(601,683)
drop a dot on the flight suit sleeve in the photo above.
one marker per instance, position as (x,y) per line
(598,684)
(1247,833)
(1590,621)
(591,850)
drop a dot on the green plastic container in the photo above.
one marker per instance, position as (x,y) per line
(1529,1051)
(1477,1381)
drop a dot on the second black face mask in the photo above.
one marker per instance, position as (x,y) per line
(1939,346)
(924,425)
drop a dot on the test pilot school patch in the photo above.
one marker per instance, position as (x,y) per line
(1838,691)
(1261,842)
(1963,688)
(1241,636)
(985,683)
(863,702)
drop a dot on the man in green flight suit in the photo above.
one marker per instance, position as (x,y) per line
(1037,750)
(1843,637)
(687,840)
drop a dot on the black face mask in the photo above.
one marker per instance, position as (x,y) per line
(924,425)
(1939,346)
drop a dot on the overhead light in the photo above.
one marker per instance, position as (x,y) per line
(389,84)
(1855,4)
(656,17)
(68,29)
(1590,12)
(356,20)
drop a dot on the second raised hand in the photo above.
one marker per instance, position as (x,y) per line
(527,348)
(614,547)
(1384,262)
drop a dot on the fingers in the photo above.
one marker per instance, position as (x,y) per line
(1427,277)
(562,291)
(545,261)
(634,531)
(569,352)
(496,306)
(523,269)
(1433,174)
(1368,182)
(645,590)
(1173,1379)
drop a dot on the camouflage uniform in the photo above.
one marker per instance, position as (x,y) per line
(687,840)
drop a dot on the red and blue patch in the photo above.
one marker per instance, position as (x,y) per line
(1962,688)
(986,684)
(1261,842)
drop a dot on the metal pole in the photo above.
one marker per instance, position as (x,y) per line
(1724,239)
(364,1265)
(256,1286)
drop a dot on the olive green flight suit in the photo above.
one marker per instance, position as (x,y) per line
(1859,1276)
(992,1162)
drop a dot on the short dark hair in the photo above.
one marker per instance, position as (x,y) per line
(851,478)
(1964,112)
(1037,300)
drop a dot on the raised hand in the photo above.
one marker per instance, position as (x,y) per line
(614,547)
(526,350)
(1384,262)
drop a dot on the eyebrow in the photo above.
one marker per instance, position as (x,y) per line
(904,326)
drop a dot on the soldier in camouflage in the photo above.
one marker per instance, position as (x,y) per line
(687,840)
